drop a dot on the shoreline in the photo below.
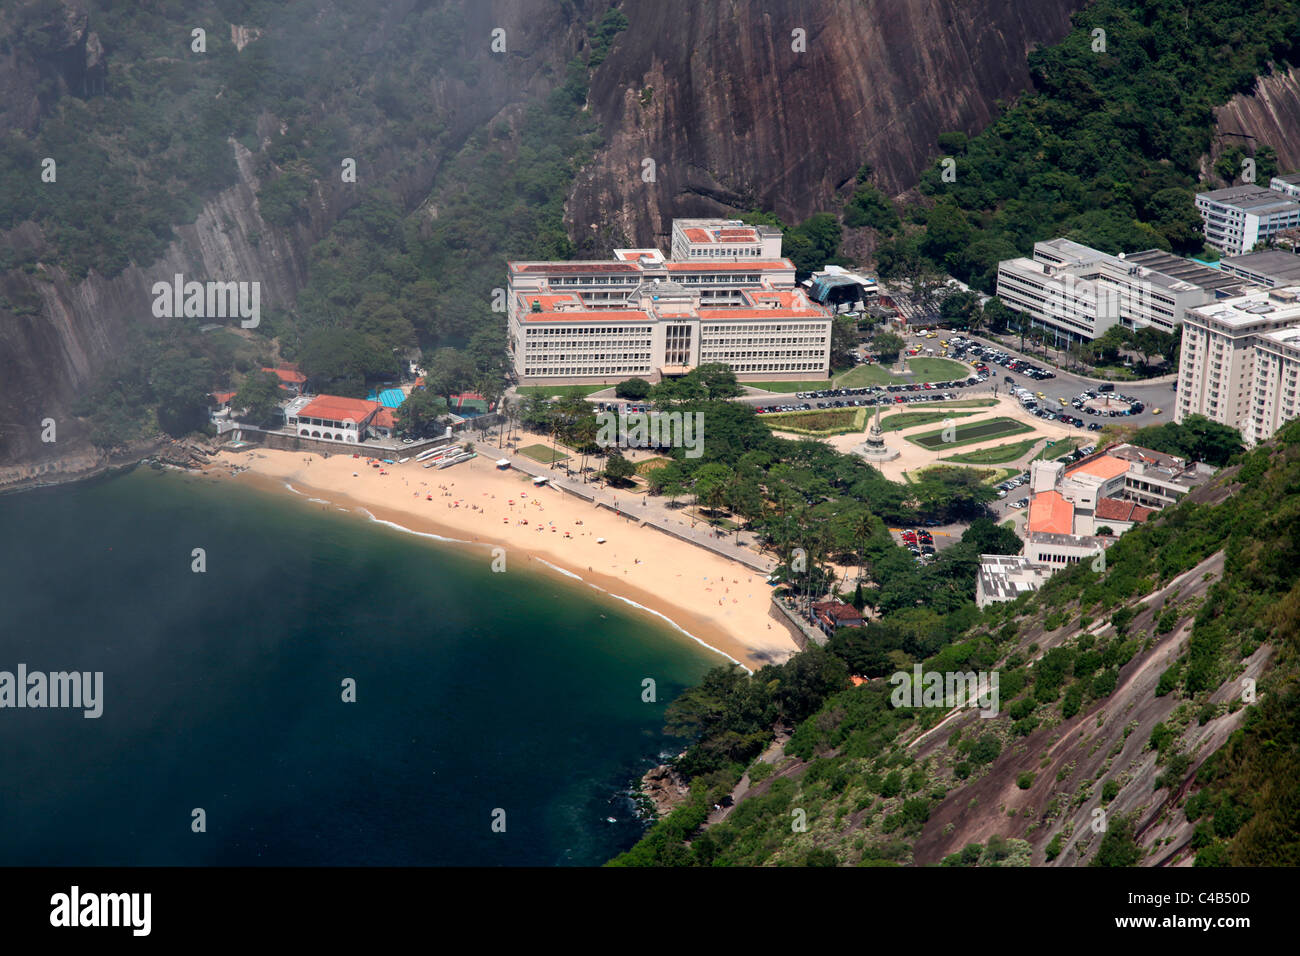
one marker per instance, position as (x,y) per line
(677,582)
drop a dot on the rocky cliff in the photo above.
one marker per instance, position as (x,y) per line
(1268,115)
(734,117)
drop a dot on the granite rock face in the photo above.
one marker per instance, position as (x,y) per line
(734,118)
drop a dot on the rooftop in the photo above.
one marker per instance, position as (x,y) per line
(336,408)
(1049,512)
(1121,509)
(1256,199)
(1101,466)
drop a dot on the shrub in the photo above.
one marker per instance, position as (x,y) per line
(1025,780)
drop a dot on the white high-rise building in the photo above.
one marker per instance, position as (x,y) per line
(640,314)
(1228,355)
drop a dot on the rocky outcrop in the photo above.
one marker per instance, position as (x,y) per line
(664,789)
(1268,115)
(734,118)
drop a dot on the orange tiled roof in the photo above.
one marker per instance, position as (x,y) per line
(287,376)
(339,409)
(1104,466)
(1049,512)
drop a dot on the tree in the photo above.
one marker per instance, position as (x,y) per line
(989,537)
(618,470)
(844,339)
(633,388)
(887,345)
(181,385)
(259,395)
(418,414)
(450,373)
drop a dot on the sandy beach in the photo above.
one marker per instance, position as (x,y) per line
(716,601)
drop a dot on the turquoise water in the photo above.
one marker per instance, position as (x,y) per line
(475,692)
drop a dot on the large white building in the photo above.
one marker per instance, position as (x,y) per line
(1231,367)
(1236,218)
(725,296)
(1077,292)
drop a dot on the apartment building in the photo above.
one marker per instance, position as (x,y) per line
(1217,368)
(1078,293)
(1236,218)
(643,315)
(1277,378)
(1288,185)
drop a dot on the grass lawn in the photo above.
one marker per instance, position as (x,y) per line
(1009,524)
(863,375)
(893,423)
(833,421)
(1062,446)
(542,453)
(997,455)
(791,387)
(937,369)
(564,391)
(970,433)
(966,403)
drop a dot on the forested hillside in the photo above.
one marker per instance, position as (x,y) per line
(1120,690)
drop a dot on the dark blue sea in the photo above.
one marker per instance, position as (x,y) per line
(222,690)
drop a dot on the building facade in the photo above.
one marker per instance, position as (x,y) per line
(1236,218)
(1221,346)
(1078,293)
(723,297)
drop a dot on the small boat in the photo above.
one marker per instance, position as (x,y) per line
(600,540)
(403,461)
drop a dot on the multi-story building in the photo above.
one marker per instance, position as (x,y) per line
(1268,268)
(1236,218)
(1004,577)
(1288,185)
(1277,379)
(1216,374)
(640,314)
(1077,292)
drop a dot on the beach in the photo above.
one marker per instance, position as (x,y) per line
(716,601)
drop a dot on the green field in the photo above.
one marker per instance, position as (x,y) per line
(965,403)
(563,391)
(862,376)
(791,387)
(970,433)
(833,421)
(1062,446)
(542,453)
(936,369)
(997,455)
(893,423)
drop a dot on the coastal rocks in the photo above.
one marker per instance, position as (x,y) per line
(664,789)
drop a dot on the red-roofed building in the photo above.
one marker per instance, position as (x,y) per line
(726,296)
(1050,513)
(223,398)
(335,418)
(291,380)
(832,615)
(1120,514)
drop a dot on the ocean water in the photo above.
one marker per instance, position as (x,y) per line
(511,697)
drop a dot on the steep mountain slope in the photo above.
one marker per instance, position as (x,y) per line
(399,92)
(1146,715)
(1269,114)
(735,119)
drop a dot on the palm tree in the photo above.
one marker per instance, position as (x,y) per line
(861,532)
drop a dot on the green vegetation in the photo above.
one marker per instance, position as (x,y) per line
(1106,148)
(789,388)
(1057,448)
(1196,439)
(970,433)
(542,453)
(997,455)
(936,370)
(834,421)
(633,388)
(863,376)
(893,423)
(559,391)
